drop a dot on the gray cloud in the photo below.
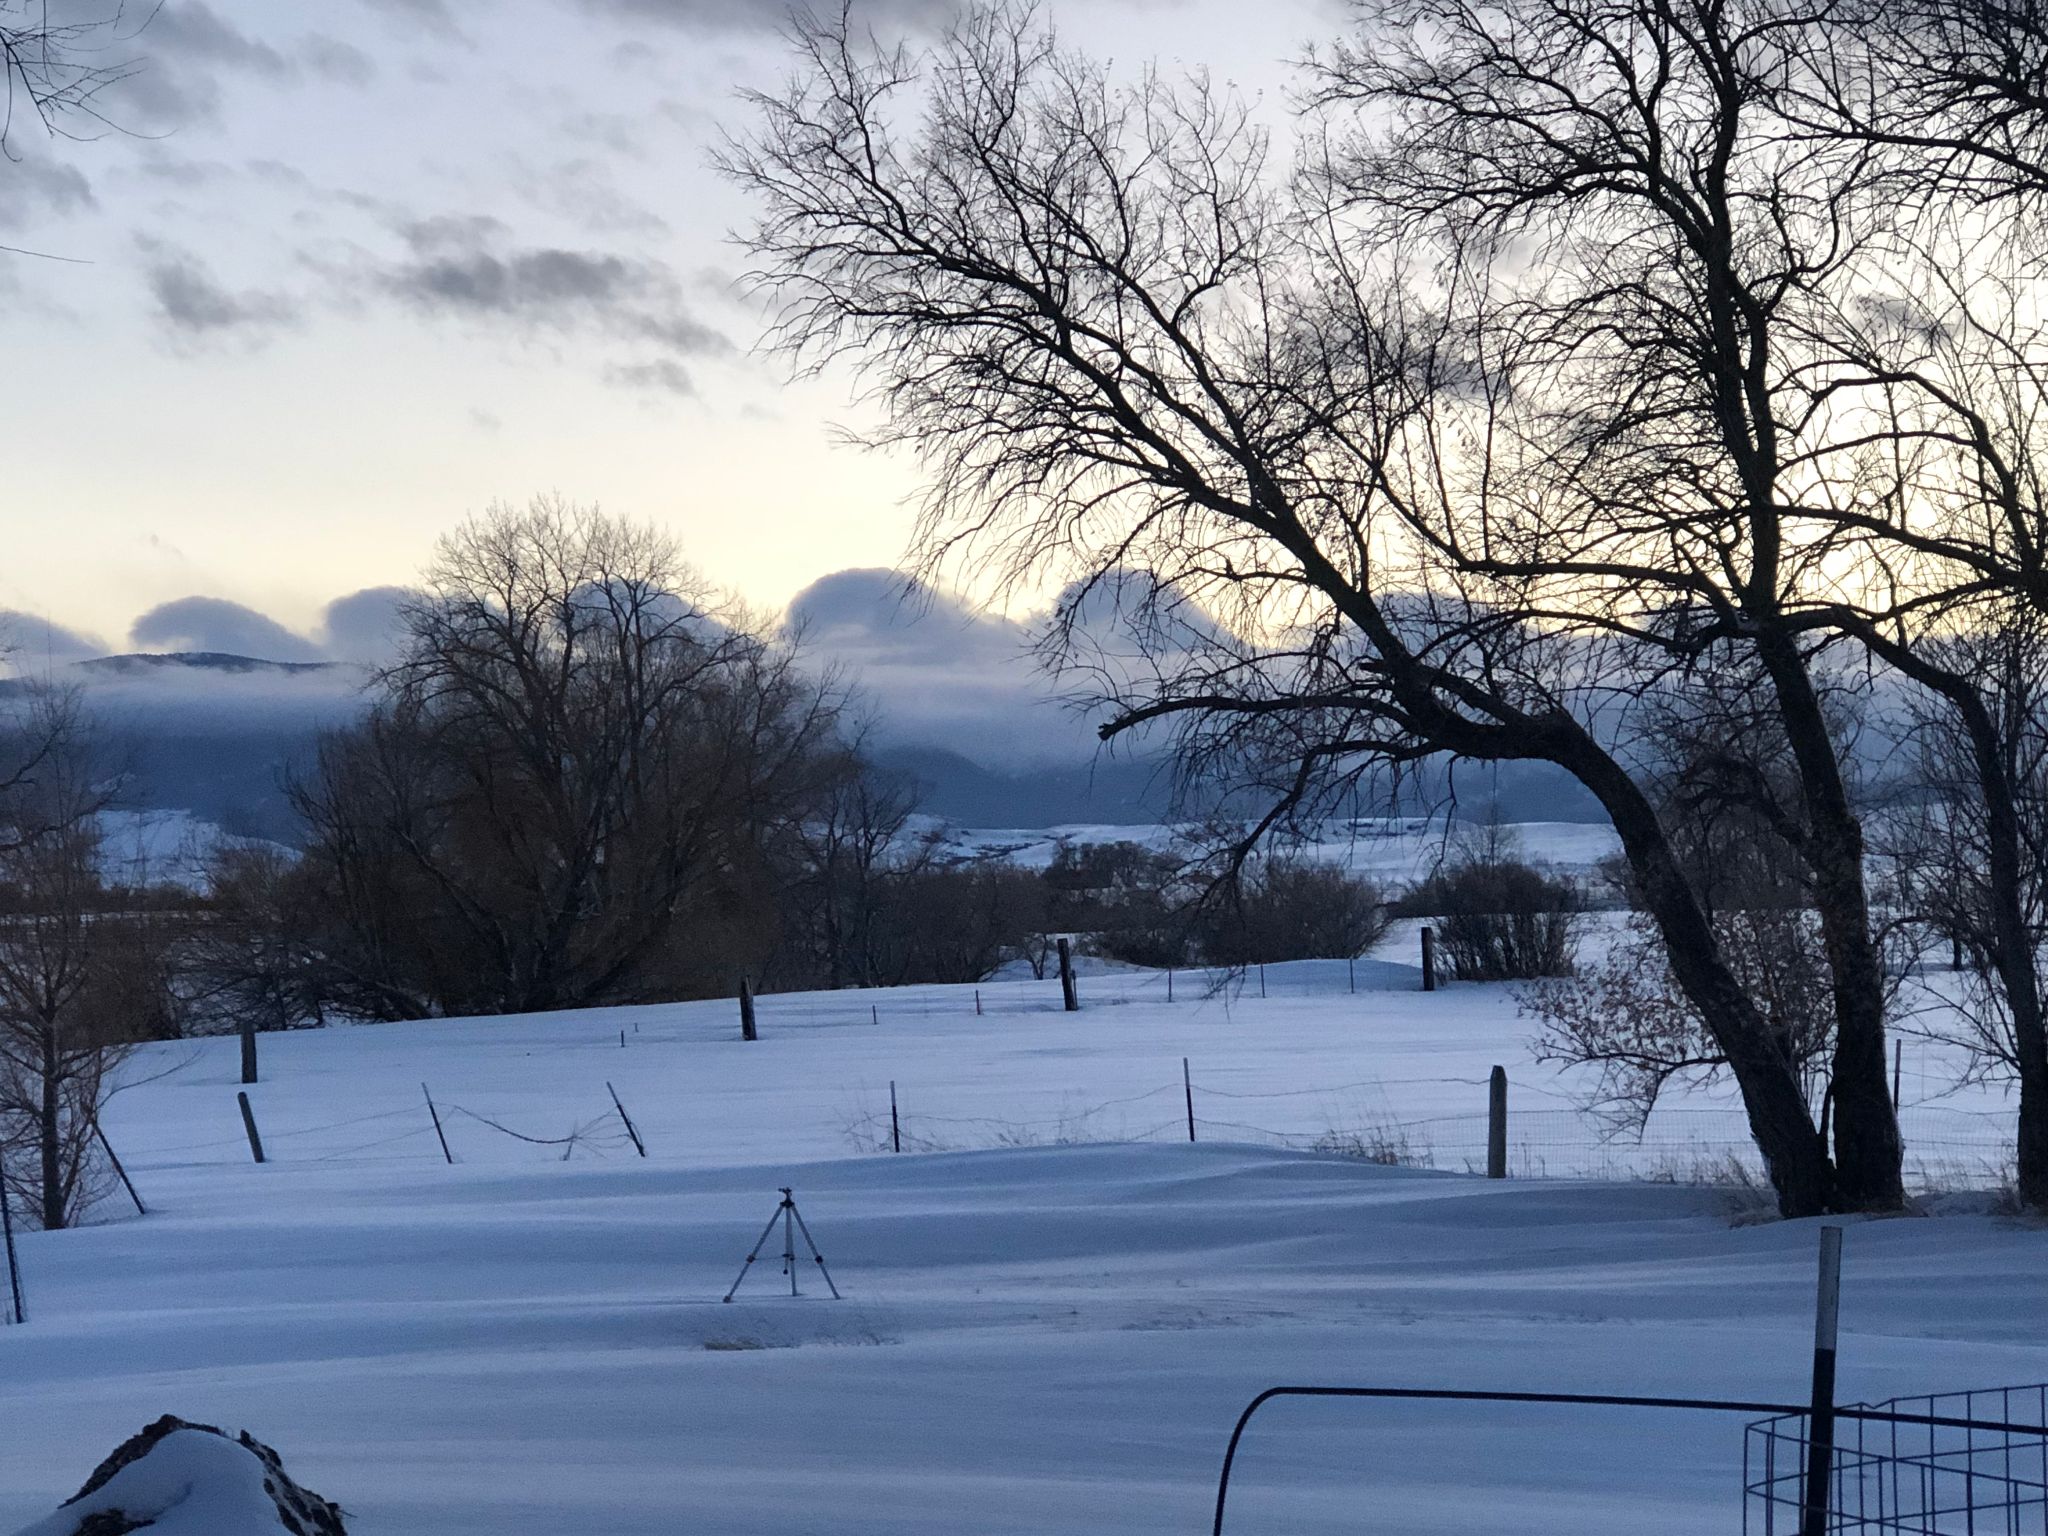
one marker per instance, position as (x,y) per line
(933,670)
(333,59)
(33,190)
(363,626)
(768,15)
(582,192)
(467,268)
(29,643)
(195,305)
(662,376)
(188,49)
(192,31)
(936,671)
(215,624)
(430,16)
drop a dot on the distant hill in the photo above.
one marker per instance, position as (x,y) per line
(143,663)
(1139,791)
(956,788)
(216,736)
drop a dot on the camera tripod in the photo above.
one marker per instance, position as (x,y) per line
(792,1223)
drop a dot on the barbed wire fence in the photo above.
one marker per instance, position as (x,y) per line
(603,1134)
(1947,1148)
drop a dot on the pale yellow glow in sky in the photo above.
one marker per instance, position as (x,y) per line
(311,435)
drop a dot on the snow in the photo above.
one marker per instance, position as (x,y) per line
(1398,851)
(162,847)
(189,1484)
(1044,1331)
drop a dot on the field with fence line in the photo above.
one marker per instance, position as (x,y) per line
(1345,1058)
(476,1284)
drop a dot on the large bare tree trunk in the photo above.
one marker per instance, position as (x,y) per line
(1767,1075)
(2012,945)
(1868,1154)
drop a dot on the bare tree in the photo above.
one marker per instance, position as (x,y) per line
(1291,908)
(1656,261)
(1115,342)
(574,772)
(853,851)
(60,1036)
(59,62)
(1626,1017)
(1971,857)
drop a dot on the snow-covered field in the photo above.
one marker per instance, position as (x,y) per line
(1044,1332)
(1399,851)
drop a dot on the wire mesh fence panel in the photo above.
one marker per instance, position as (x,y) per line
(1984,1472)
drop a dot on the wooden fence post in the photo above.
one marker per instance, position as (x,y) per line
(638,1145)
(1187,1084)
(126,1182)
(747,1029)
(248,1047)
(1497,1124)
(249,1125)
(895,1125)
(1429,959)
(1068,996)
(440,1135)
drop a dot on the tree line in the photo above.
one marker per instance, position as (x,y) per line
(583,781)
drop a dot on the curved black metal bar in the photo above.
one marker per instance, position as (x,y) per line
(1585,1399)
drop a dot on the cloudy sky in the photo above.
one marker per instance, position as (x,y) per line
(352,271)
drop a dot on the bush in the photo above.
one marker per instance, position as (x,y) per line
(1291,910)
(1501,920)
(1123,898)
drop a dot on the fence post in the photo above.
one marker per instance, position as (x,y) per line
(1262,978)
(126,1182)
(1169,983)
(439,1134)
(1429,959)
(747,1029)
(895,1125)
(1068,996)
(638,1145)
(1820,1437)
(1187,1084)
(249,1125)
(1351,973)
(1497,1124)
(248,1047)
(7,1234)
(977,1002)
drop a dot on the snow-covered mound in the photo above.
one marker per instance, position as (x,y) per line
(181,1479)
